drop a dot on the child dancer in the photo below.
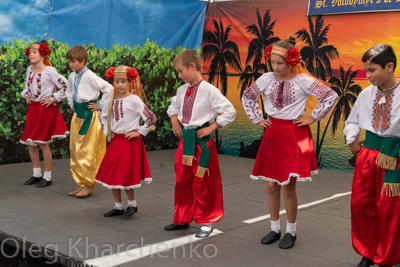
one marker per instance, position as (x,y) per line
(198,190)
(286,153)
(125,164)
(87,143)
(375,194)
(43,120)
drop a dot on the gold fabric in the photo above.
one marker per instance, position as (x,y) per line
(86,155)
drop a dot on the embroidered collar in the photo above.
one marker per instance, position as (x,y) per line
(389,89)
(190,88)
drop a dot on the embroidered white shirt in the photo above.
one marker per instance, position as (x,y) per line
(287,99)
(125,116)
(374,111)
(206,105)
(41,85)
(89,89)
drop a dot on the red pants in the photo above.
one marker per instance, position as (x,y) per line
(198,199)
(375,218)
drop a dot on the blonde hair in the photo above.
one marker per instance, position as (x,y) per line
(187,57)
(290,42)
(78,52)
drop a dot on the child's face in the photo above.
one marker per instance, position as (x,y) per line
(281,69)
(376,74)
(34,56)
(122,85)
(187,74)
(76,65)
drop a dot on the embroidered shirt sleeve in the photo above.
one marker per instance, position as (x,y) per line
(173,108)
(61,83)
(250,103)
(148,117)
(326,99)
(26,90)
(221,105)
(351,128)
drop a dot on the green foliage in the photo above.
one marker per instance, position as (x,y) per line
(154,64)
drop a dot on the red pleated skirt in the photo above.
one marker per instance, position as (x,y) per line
(125,164)
(286,151)
(43,124)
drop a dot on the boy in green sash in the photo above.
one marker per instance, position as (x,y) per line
(197,110)
(375,199)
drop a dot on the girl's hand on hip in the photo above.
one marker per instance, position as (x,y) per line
(46,102)
(304,120)
(132,134)
(265,123)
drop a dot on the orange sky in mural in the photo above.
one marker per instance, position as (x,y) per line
(352,34)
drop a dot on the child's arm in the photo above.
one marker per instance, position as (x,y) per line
(25,93)
(351,128)
(173,111)
(61,83)
(70,91)
(148,117)
(250,105)
(107,90)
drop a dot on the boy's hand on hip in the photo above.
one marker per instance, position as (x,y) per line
(355,148)
(92,106)
(206,130)
(176,126)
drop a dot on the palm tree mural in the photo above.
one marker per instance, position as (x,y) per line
(222,51)
(348,92)
(317,56)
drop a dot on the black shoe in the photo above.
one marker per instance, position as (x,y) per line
(114,212)
(287,241)
(172,227)
(271,237)
(130,211)
(365,262)
(33,180)
(43,183)
(204,233)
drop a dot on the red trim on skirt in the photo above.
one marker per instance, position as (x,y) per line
(43,124)
(375,218)
(198,199)
(125,164)
(286,151)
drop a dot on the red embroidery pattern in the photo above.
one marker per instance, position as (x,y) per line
(282,94)
(63,87)
(115,110)
(382,113)
(322,92)
(38,84)
(250,101)
(121,108)
(150,118)
(189,101)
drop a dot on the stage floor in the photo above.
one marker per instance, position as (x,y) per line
(44,221)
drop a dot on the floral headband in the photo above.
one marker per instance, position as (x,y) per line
(131,74)
(292,55)
(44,50)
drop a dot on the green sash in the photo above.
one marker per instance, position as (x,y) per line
(83,118)
(387,159)
(189,143)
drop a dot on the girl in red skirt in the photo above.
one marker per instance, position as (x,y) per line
(43,120)
(286,153)
(125,164)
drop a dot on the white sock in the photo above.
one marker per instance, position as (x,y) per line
(37,172)
(47,176)
(206,227)
(119,206)
(132,203)
(276,226)
(291,228)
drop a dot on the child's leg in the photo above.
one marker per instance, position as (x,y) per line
(130,194)
(34,155)
(132,205)
(118,207)
(116,195)
(274,202)
(290,199)
(47,156)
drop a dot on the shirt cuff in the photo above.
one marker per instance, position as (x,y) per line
(98,106)
(53,99)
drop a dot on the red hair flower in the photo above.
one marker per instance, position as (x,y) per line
(293,57)
(110,74)
(132,73)
(267,52)
(27,51)
(44,50)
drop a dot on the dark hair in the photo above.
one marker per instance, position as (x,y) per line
(290,42)
(188,56)
(78,52)
(380,54)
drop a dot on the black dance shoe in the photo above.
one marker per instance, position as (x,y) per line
(203,232)
(130,211)
(287,241)
(33,180)
(271,237)
(114,212)
(172,227)
(365,262)
(43,183)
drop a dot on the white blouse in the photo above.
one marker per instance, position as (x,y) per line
(374,111)
(41,85)
(201,106)
(89,89)
(125,116)
(287,99)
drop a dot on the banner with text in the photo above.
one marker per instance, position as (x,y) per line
(324,7)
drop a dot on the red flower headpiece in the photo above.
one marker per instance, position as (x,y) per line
(43,48)
(292,55)
(132,74)
(110,74)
